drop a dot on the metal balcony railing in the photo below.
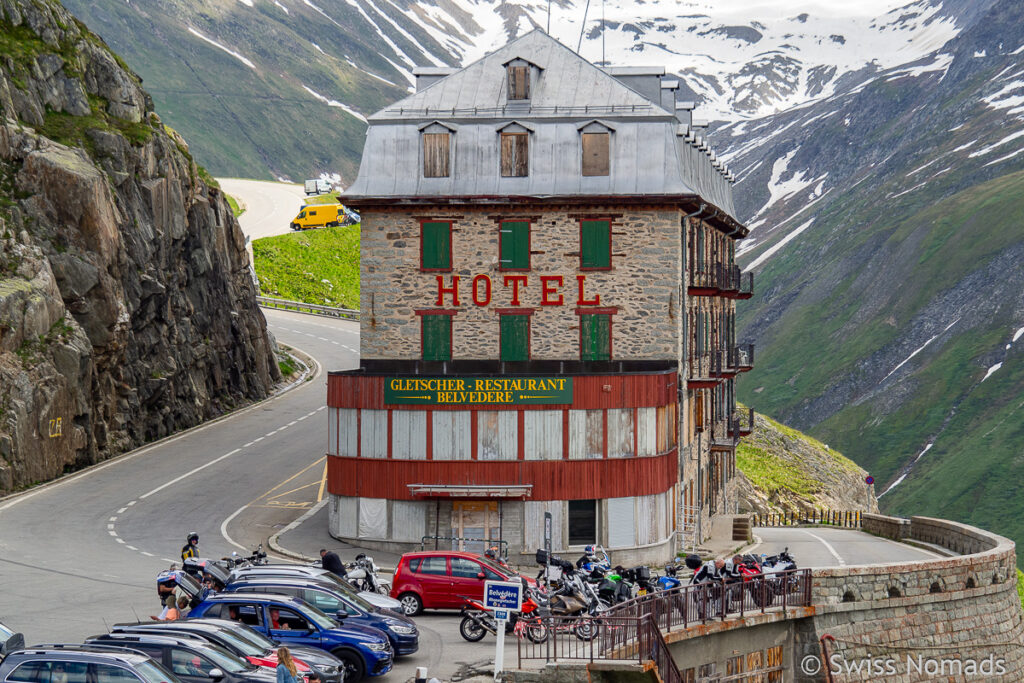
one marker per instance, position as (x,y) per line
(719,279)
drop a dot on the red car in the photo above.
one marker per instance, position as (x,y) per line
(436,579)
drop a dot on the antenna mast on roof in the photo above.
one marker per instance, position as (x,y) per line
(549,17)
(583,27)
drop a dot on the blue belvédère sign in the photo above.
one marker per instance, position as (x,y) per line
(505,595)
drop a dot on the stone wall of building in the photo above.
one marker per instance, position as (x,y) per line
(643,284)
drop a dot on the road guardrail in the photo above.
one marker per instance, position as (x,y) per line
(303,307)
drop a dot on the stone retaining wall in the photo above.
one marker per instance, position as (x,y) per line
(914,623)
(882,525)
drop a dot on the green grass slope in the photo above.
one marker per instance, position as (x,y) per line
(315,266)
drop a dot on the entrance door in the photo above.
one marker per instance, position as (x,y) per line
(475,519)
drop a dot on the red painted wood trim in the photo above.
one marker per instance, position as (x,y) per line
(551,479)
(515,311)
(599,310)
(521,435)
(474,434)
(390,432)
(565,434)
(636,414)
(429,435)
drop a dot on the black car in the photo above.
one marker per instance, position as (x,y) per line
(328,598)
(191,660)
(245,642)
(81,664)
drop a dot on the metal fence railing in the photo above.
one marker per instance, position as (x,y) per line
(849,519)
(303,307)
(633,630)
(473,545)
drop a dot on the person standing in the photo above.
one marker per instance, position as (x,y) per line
(191,547)
(286,671)
(332,563)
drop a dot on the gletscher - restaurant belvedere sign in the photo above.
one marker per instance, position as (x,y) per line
(478,390)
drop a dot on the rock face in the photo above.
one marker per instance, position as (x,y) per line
(127,310)
(782,470)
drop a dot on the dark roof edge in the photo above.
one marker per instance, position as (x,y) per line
(688,202)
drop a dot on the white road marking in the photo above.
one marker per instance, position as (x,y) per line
(114,518)
(258,440)
(147,554)
(189,473)
(121,511)
(131,547)
(132,503)
(292,423)
(110,526)
(828,546)
(302,418)
(167,559)
(271,433)
(112,533)
(224,528)
(246,445)
(120,540)
(322,339)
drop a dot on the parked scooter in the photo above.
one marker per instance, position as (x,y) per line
(478,620)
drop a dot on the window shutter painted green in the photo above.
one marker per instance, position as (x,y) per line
(597,244)
(596,338)
(515,245)
(437,337)
(515,337)
(437,246)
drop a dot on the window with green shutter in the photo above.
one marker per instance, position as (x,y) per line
(515,337)
(436,245)
(437,337)
(596,336)
(514,250)
(596,245)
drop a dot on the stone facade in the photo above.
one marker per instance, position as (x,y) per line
(643,283)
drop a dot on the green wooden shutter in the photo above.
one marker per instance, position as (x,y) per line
(437,246)
(515,337)
(596,338)
(515,245)
(596,244)
(437,337)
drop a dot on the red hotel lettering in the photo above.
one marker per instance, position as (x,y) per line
(582,301)
(548,286)
(442,290)
(487,289)
(516,280)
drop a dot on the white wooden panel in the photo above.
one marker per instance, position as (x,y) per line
(408,520)
(621,522)
(332,431)
(647,431)
(346,516)
(498,433)
(452,437)
(374,434)
(543,434)
(373,518)
(533,530)
(645,520)
(349,437)
(620,433)
(409,435)
(586,434)
(661,518)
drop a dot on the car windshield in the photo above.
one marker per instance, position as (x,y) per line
(317,617)
(242,644)
(153,673)
(504,571)
(5,632)
(224,659)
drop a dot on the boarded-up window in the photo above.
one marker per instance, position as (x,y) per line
(436,152)
(621,522)
(498,434)
(518,82)
(332,431)
(345,518)
(373,518)
(408,430)
(620,432)
(582,522)
(373,433)
(436,245)
(698,411)
(348,428)
(408,519)
(515,159)
(514,245)
(437,337)
(452,434)
(595,245)
(586,433)
(533,524)
(515,337)
(646,431)
(596,336)
(542,434)
(595,154)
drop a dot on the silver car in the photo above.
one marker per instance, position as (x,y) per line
(268,570)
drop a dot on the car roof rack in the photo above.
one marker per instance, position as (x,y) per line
(145,638)
(84,648)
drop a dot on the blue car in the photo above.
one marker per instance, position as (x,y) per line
(325,596)
(365,651)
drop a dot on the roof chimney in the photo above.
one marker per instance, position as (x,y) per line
(668,94)
(428,75)
(684,112)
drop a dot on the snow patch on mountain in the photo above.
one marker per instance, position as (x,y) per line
(217,45)
(991,370)
(334,103)
(768,253)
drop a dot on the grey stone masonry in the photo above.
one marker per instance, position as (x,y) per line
(643,284)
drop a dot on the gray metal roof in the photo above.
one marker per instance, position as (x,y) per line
(650,153)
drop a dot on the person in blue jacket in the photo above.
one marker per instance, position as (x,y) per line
(286,671)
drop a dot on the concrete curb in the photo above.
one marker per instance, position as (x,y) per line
(275,543)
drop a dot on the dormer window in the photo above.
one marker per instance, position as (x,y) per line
(518,82)
(515,150)
(436,150)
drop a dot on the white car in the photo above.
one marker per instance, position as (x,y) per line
(382,601)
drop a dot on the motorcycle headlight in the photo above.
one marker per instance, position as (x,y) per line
(376,647)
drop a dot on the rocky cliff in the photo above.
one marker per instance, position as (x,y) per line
(127,310)
(782,470)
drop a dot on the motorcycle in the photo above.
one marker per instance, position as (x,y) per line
(258,557)
(478,620)
(363,575)
(777,582)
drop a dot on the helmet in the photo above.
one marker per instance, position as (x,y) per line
(360,556)
(192,536)
(491,553)
(588,550)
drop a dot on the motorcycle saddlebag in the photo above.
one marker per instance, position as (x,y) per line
(642,574)
(692,562)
